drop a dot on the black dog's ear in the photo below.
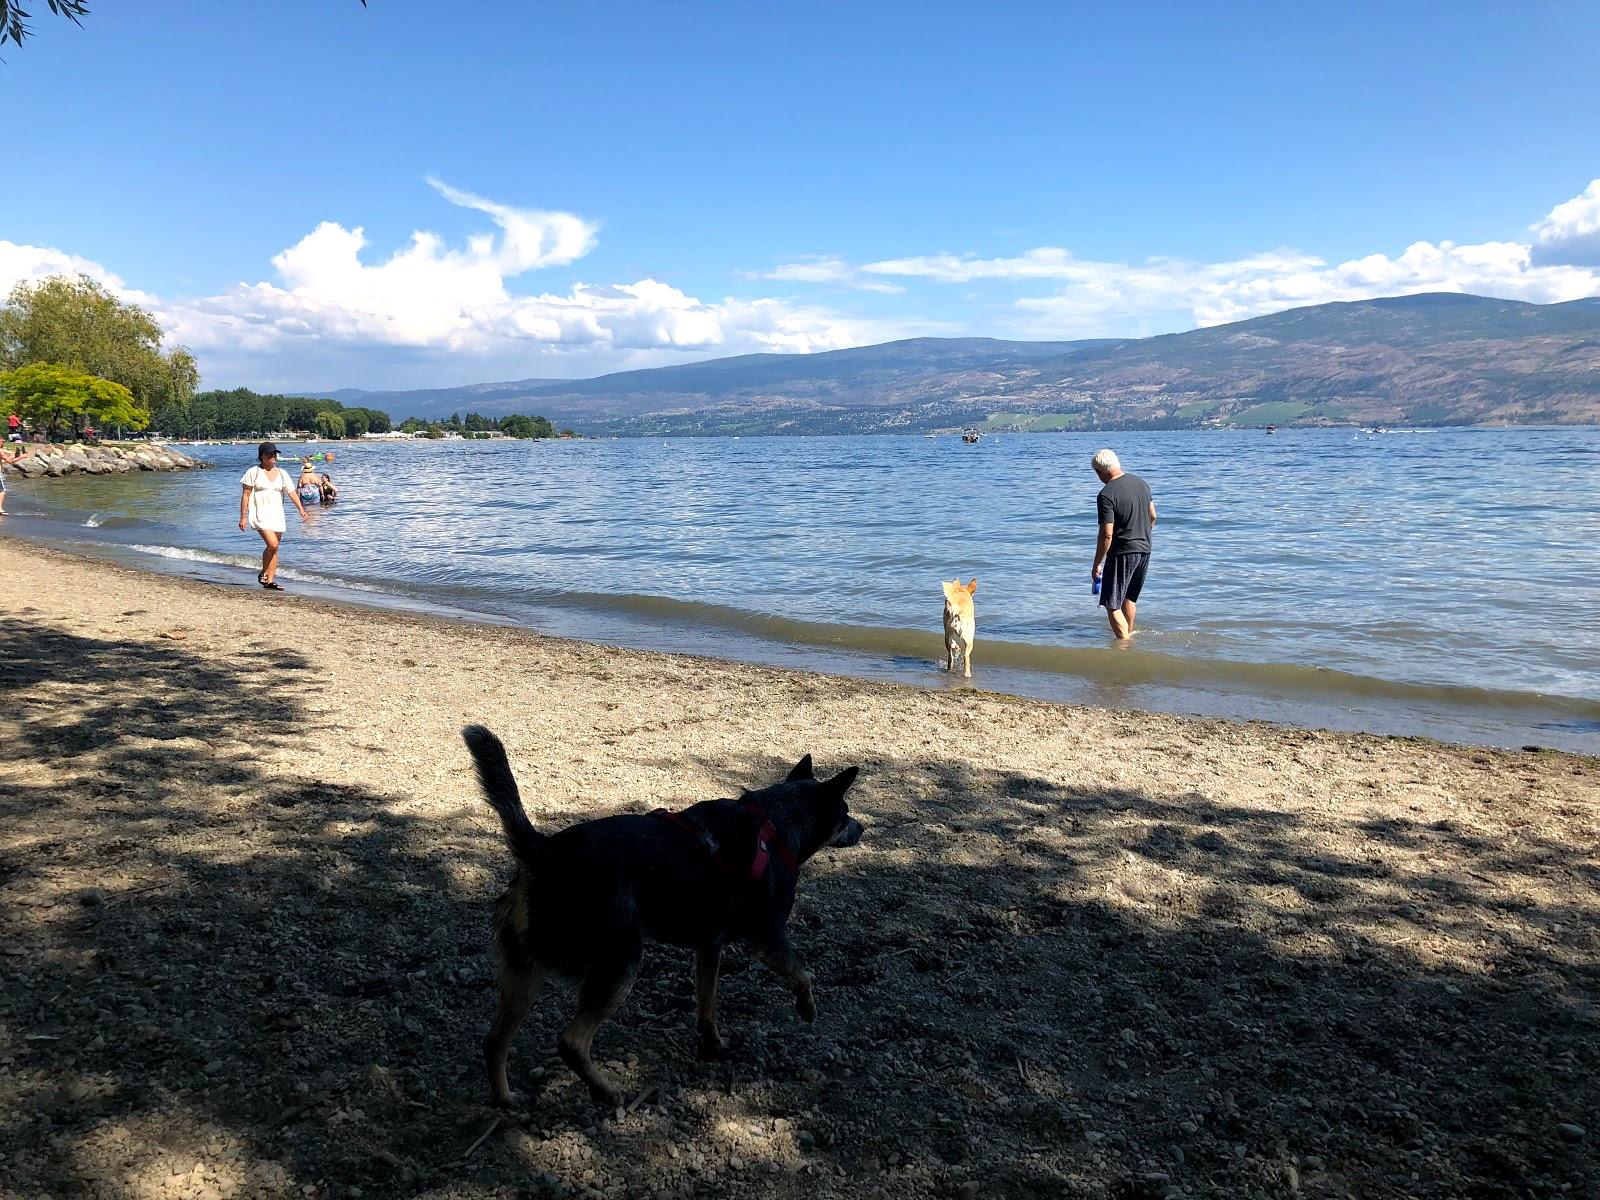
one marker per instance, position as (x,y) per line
(802,771)
(841,782)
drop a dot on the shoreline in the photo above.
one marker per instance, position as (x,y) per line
(1072,940)
(1149,679)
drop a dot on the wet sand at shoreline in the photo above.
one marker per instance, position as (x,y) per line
(245,880)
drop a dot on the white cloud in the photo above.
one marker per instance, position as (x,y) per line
(435,301)
(30,264)
(532,238)
(435,312)
(1217,293)
(825,269)
(1570,233)
(1119,299)
(425,294)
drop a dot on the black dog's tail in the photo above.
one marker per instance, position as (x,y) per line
(500,790)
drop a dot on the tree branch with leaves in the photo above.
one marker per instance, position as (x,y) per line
(14,18)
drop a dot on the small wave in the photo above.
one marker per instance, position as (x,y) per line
(110,522)
(187,554)
(349,585)
(252,562)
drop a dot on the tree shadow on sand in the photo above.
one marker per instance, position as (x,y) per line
(1035,988)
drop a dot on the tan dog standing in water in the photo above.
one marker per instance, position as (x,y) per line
(960,624)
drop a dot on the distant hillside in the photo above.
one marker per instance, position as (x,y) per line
(1438,358)
(439,401)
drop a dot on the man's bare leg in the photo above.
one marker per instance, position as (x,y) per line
(1128,611)
(1119,624)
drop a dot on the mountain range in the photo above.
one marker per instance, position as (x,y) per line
(1429,359)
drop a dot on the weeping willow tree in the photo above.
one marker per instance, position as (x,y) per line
(14,18)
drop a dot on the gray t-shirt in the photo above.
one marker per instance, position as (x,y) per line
(1125,506)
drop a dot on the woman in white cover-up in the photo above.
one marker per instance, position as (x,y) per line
(261,508)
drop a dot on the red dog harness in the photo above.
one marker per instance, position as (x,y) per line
(768,842)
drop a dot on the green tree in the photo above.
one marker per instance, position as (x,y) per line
(518,425)
(53,395)
(330,425)
(204,408)
(302,411)
(77,323)
(356,421)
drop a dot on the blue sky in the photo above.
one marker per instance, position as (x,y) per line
(625,185)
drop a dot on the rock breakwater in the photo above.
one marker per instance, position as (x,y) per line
(42,462)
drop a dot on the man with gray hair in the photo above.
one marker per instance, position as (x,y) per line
(1122,551)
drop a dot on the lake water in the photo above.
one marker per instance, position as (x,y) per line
(1441,582)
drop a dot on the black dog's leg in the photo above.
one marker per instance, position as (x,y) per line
(604,989)
(780,956)
(517,992)
(707,966)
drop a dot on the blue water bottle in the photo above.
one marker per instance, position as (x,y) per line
(1094,581)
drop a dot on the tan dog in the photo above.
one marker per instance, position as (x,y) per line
(960,624)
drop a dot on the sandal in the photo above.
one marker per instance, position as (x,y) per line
(273,586)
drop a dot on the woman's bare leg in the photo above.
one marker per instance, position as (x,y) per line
(269,556)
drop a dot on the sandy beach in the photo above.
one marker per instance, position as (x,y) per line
(246,879)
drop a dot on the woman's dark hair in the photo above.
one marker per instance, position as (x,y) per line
(265,449)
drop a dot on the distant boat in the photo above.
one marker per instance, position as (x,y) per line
(1272,429)
(970,437)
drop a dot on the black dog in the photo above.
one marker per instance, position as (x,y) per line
(584,900)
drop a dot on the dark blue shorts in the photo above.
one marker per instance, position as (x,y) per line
(1122,578)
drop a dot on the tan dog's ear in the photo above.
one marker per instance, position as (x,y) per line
(973,586)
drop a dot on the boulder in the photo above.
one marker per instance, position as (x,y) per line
(55,461)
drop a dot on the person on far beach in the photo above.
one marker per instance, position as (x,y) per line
(261,508)
(1127,516)
(5,458)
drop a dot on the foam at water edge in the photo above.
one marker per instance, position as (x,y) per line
(250,562)
(190,555)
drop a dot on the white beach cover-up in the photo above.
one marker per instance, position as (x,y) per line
(266,498)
